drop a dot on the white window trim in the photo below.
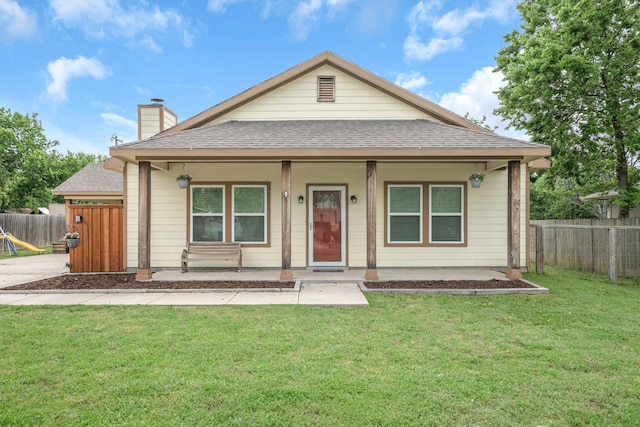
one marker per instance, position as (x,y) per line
(420,214)
(459,214)
(263,213)
(222,214)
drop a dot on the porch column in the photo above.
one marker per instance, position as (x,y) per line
(285,273)
(372,175)
(513,221)
(144,221)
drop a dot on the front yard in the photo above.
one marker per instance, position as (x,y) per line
(568,358)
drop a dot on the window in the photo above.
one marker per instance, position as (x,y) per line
(405,214)
(446,214)
(412,221)
(229,213)
(326,88)
(207,212)
(249,213)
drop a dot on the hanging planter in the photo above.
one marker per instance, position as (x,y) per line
(72,238)
(476,179)
(183,180)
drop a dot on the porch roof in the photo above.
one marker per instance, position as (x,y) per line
(332,139)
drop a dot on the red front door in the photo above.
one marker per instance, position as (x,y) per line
(327,238)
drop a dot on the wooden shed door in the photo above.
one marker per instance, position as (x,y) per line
(100,248)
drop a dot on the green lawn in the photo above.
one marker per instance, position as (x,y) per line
(568,358)
(23,252)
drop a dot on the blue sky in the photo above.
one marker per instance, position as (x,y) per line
(85,65)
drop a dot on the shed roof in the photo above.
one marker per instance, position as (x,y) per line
(93,179)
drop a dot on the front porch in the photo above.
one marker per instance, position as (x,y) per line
(335,275)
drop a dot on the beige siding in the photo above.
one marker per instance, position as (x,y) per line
(486,216)
(149,122)
(169,211)
(486,209)
(297,100)
(153,119)
(353,175)
(170,119)
(131,191)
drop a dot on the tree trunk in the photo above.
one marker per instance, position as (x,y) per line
(622,171)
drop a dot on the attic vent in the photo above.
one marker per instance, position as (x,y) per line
(326,88)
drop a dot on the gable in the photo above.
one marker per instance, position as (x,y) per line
(354,99)
(359,78)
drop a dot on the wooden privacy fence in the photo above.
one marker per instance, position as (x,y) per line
(601,246)
(38,230)
(100,248)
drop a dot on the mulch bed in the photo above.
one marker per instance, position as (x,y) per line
(127,281)
(449,284)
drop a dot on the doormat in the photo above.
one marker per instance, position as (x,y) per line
(328,271)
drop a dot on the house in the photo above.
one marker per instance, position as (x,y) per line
(609,206)
(328,166)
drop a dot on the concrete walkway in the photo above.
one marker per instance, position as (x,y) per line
(337,288)
(315,294)
(14,271)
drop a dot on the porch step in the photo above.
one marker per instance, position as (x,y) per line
(59,247)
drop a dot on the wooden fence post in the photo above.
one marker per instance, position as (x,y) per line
(539,249)
(613,262)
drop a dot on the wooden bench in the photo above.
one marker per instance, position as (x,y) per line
(205,251)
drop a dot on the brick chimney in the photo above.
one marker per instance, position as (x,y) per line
(154,118)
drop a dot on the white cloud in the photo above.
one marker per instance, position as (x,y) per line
(411,81)
(300,19)
(62,70)
(457,20)
(218,6)
(116,119)
(368,16)
(415,49)
(16,22)
(376,16)
(149,43)
(477,97)
(446,29)
(108,18)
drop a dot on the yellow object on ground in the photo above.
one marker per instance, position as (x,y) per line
(19,242)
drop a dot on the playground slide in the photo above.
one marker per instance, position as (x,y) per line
(19,242)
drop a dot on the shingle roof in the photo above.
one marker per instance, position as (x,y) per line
(329,135)
(92,179)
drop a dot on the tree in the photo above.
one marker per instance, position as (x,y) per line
(29,166)
(555,198)
(573,82)
(481,122)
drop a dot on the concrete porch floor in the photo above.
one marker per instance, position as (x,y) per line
(347,275)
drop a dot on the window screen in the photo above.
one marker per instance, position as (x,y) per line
(405,214)
(249,213)
(446,214)
(207,214)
